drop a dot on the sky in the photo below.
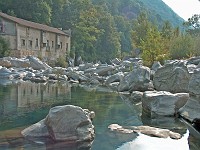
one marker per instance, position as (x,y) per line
(184,8)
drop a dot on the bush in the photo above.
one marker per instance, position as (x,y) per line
(4,47)
(61,62)
(182,47)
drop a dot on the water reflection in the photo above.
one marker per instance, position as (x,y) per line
(26,103)
(144,142)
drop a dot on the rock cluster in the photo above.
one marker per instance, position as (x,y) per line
(167,90)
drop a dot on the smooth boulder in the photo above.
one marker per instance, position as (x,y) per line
(36,64)
(172,77)
(194,82)
(136,80)
(64,123)
(191,110)
(162,103)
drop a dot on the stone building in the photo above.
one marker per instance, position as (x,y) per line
(30,38)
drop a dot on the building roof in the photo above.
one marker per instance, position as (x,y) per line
(32,24)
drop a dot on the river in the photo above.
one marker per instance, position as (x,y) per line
(26,103)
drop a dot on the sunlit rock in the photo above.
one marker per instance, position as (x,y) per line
(35,63)
(191,110)
(151,131)
(136,80)
(173,77)
(163,103)
(64,123)
(194,83)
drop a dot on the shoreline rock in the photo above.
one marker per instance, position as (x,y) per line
(63,123)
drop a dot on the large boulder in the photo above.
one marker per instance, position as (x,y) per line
(136,80)
(162,103)
(64,123)
(20,63)
(36,130)
(194,60)
(36,64)
(156,65)
(5,73)
(114,78)
(194,83)
(191,110)
(173,77)
(104,70)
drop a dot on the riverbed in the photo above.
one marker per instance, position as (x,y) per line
(25,103)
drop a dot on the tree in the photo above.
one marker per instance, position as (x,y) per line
(86,33)
(152,46)
(4,47)
(124,28)
(167,30)
(193,25)
(140,27)
(108,44)
(32,10)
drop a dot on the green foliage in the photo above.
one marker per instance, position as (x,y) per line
(61,62)
(152,46)
(182,47)
(193,25)
(108,45)
(4,47)
(33,10)
(196,41)
(101,29)
(140,28)
(86,33)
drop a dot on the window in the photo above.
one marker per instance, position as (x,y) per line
(36,43)
(44,44)
(60,45)
(30,43)
(47,43)
(67,46)
(52,44)
(23,42)
(28,31)
(2,27)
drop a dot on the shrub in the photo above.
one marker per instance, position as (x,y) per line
(182,47)
(4,47)
(61,62)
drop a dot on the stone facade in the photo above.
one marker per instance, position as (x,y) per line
(29,38)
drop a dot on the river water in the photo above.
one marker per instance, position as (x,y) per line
(25,103)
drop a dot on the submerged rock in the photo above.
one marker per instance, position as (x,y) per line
(147,130)
(64,123)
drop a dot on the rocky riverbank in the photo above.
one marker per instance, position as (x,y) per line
(168,90)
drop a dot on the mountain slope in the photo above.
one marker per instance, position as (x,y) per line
(164,11)
(157,10)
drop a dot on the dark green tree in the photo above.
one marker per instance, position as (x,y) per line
(4,47)
(152,46)
(108,44)
(86,33)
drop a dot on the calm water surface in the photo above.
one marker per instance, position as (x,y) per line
(25,103)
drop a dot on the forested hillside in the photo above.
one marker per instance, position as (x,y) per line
(104,29)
